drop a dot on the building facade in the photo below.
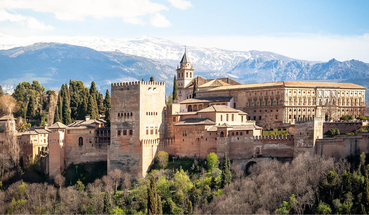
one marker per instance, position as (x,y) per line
(137,112)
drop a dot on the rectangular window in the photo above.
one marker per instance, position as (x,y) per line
(221,117)
(276,116)
(131,132)
(174,119)
(241,118)
(156,131)
(124,132)
(147,131)
(259,117)
(119,132)
(151,131)
(232,117)
(227,117)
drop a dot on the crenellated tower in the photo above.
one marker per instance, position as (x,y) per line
(184,72)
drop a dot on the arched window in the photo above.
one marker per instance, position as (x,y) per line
(80,141)
(221,134)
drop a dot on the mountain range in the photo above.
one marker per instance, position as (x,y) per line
(107,61)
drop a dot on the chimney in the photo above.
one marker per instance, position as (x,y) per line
(87,117)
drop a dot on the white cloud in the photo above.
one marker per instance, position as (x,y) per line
(131,11)
(300,46)
(28,21)
(181,4)
(160,21)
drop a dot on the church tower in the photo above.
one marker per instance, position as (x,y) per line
(184,72)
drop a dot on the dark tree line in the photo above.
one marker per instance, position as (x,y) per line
(35,106)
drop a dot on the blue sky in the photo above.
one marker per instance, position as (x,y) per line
(310,29)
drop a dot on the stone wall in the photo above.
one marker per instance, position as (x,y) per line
(345,126)
(342,146)
(88,151)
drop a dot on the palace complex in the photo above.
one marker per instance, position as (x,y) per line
(209,115)
(224,116)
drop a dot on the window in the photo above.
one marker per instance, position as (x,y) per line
(221,117)
(124,132)
(147,131)
(227,117)
(151,131)
(232,117)
(241,118)
(156,130)
(80,141)
(259,117)
(131,132)
(174,119)
(119,132)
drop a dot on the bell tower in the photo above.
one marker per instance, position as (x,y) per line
(184,72)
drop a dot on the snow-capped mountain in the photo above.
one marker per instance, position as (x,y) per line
(112,60)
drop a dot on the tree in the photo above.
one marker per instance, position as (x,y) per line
(175,87)
(92,108)
(153,199)
(1,91)
(189,208)
(31,109)
(66,112)
(93,90)
(194,88)
(107,106)
(57,115)
(100,104)
(324,208)
(7,104)
(107,202)
(226,173)
(162,159)
(151,79)
(212,161)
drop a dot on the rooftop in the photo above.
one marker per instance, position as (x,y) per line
(220,108)
(82,124)
(57,125)
(207,99)
(290,84)
(196,121)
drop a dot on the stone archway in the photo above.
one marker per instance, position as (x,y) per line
(248,167)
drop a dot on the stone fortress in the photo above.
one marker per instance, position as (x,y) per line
(220,116)
(224,116)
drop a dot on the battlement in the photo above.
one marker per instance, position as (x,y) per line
(304,119)
(149,142)
(273,137)
(136,83)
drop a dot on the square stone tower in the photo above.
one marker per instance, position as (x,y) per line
(137,112)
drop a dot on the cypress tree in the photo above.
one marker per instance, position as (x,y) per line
(153,201)
(142,79)
(194,89)
(100,104)
(107,106)
(57,115)
(93,90)
(31,112)
(66,112)
(92,108)
(82,109)
(107,203)
(1,91)
(175,87)
(226,173)
(151,79)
